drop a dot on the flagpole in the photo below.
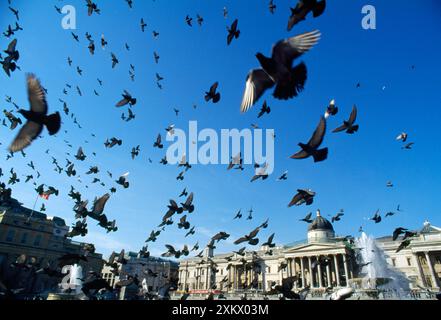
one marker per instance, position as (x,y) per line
(33,208)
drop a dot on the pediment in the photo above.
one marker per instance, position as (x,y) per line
(316,248)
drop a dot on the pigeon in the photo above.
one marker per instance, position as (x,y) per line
(156,56)
(250,238)
(278,70)
(283,177)
(115,60)
(349,125)
(11,50)
(143,25)
(303,197)
(331,110)
(338,216)
(103,42)
(233,32)
(264,109)
(127,99)
(212,94)
(123,181)
(235,161)
(80,155)
(91,8)
(260,172)
(397,232)
(303,8)
(158,143)
(269,243)
(272,7)
(311,148)
(307,219)
(199,19)
(238,215)
(225,12)
(14,121)
(408,146)
(402,137)
(188,205)
(403,245)
(135,152)
(377,217)
(76,37)
(36,117)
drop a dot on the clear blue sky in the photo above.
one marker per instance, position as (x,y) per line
(354,176)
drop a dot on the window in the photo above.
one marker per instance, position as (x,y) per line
(269,269)
(222,272)
(394,262)
(10,235)
(37,241)
(409,261)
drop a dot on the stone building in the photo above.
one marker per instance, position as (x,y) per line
(323,261)
(421,260)
(42,240)
(156,271)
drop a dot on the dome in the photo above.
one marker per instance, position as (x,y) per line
(320,223)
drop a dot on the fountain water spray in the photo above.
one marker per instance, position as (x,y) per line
(378,274)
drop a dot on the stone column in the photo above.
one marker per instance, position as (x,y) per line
(295,272)
(432,271)
(186,276)
(420,270)
(337,271)
(319,270)
(280,276)
(328,274)
(234,278)
(311,278)
(345,263)
(207,277)
(302,268)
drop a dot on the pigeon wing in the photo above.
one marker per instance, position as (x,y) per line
(36,95)
(319,134)
(257,82)
(26,135)
(285,51)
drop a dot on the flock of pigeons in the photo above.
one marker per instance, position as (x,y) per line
(276,72)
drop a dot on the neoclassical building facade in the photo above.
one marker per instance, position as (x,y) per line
(323,261)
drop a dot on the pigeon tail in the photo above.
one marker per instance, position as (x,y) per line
(353,129)
(53,123)
(320,155)
(295,84)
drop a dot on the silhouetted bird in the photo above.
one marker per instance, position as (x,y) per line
(278,70)
(36,117)
(311,148)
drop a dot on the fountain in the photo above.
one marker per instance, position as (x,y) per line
(71,285)
(377,275)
